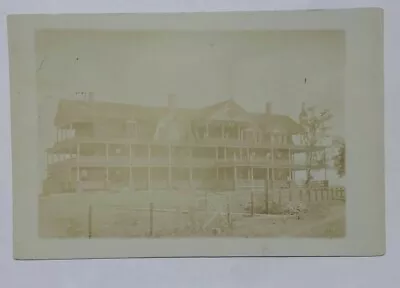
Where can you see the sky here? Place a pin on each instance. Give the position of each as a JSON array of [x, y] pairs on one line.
[[285, 68]]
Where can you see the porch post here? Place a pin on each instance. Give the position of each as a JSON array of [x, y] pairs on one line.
[[47, 162], [290, 165], [148, 167], [107, 163], [234, 177], [325, 164], [130, 165], [169, 166], [78, 177], [191, 166], [70, 131]]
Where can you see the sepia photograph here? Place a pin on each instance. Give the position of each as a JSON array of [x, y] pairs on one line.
[[194, 134], [191, 134]]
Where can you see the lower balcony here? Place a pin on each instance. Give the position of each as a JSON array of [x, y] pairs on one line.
[[120, 161]]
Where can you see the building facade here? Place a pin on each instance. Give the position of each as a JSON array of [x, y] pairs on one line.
[[105, 146]]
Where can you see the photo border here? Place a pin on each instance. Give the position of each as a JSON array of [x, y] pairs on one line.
[[364, 134]]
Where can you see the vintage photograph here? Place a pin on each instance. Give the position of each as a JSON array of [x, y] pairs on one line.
[[167, 134]]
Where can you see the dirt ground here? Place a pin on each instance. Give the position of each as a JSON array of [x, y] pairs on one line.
[[322, 219], [325, 220]]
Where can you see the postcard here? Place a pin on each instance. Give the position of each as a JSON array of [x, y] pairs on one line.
[[198, 134]]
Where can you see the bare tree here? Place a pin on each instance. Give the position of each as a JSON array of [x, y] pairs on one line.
[[315, 132]]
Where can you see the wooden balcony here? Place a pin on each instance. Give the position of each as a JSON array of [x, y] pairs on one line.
[[68, 145], [125, 161]]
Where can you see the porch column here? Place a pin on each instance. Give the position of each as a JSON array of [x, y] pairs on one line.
[[225, 153], [148, 167], [107, 162], [223, 131], [324, 164], [290, 165], [216, 152], [130, 165], [272, 156], [239, 138], [234, 177], [191, 166], [169, 166], [78, 176], [47, 162], [70, 131]]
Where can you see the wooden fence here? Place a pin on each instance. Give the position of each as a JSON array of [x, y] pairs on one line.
[[167, 214]]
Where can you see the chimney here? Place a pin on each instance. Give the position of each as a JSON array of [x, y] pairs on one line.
[[172, 101], [268, 108]]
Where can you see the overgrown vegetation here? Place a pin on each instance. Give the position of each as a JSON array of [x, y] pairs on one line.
[[275, 208], [340, 158], [315, 132]]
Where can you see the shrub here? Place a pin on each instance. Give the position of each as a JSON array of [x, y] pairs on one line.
[[275, 208]]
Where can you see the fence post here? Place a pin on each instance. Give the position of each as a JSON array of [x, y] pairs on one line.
[[90, 222], [192, 217], [252, 203], [280, 196], [151, 219]]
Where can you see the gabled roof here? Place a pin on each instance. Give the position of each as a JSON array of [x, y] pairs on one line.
[[276, 122], [211, 112], [70, 111]]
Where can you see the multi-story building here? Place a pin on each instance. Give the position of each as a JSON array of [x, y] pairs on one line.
[[107, 146]]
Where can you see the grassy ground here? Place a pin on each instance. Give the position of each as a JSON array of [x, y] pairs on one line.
[[322, 219]]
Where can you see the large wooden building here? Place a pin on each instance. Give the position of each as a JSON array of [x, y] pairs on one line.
[[111, 146]]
